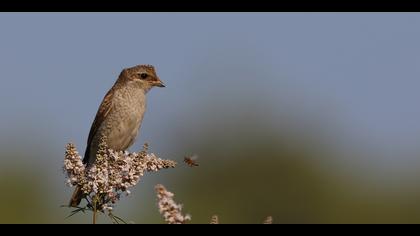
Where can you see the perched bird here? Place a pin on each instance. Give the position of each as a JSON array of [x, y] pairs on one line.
[[120, 115]]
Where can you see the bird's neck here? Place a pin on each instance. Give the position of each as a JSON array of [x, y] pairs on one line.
[[130, 93], [136, 87]]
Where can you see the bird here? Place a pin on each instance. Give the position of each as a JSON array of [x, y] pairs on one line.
[[119, 115]]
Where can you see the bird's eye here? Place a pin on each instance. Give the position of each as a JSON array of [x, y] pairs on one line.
[[143, 75]]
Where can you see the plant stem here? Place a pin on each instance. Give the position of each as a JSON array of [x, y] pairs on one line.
[[94, 216], [94, 210]]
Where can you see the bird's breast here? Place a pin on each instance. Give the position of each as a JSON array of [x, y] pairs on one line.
[[124, 120]]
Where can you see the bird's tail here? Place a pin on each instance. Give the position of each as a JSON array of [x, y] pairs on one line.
[[76, 198]]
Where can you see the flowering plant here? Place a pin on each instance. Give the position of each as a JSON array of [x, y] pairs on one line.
[[111, 176]]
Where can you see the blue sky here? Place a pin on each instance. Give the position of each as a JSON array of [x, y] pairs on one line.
[[359, 72]]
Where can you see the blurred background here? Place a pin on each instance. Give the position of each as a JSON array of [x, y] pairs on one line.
[[307, 117]]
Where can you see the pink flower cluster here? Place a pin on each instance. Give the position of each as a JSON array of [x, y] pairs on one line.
[[168, 208], [112, 174]]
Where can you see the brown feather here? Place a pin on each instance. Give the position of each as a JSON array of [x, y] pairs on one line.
[[103, 111], [76, 198]]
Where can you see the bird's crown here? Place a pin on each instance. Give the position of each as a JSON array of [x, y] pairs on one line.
[[141, 68]]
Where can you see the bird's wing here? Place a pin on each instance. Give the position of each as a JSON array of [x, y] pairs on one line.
[[102, 113]]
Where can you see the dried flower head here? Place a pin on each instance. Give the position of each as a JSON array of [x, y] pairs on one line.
[[214, 220], [268, 220], [73, 164], [112, 174], [168, 208]]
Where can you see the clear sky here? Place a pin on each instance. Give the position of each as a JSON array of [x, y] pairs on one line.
[[363, 68]]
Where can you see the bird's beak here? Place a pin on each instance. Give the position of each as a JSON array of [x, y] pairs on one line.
[[158, 83]]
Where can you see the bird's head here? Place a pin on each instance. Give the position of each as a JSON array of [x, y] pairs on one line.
[[143, 75]]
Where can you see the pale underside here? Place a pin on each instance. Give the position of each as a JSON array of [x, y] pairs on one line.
[[119, 119]]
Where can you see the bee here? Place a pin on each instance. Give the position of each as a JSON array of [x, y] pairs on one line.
[[191, 161]]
